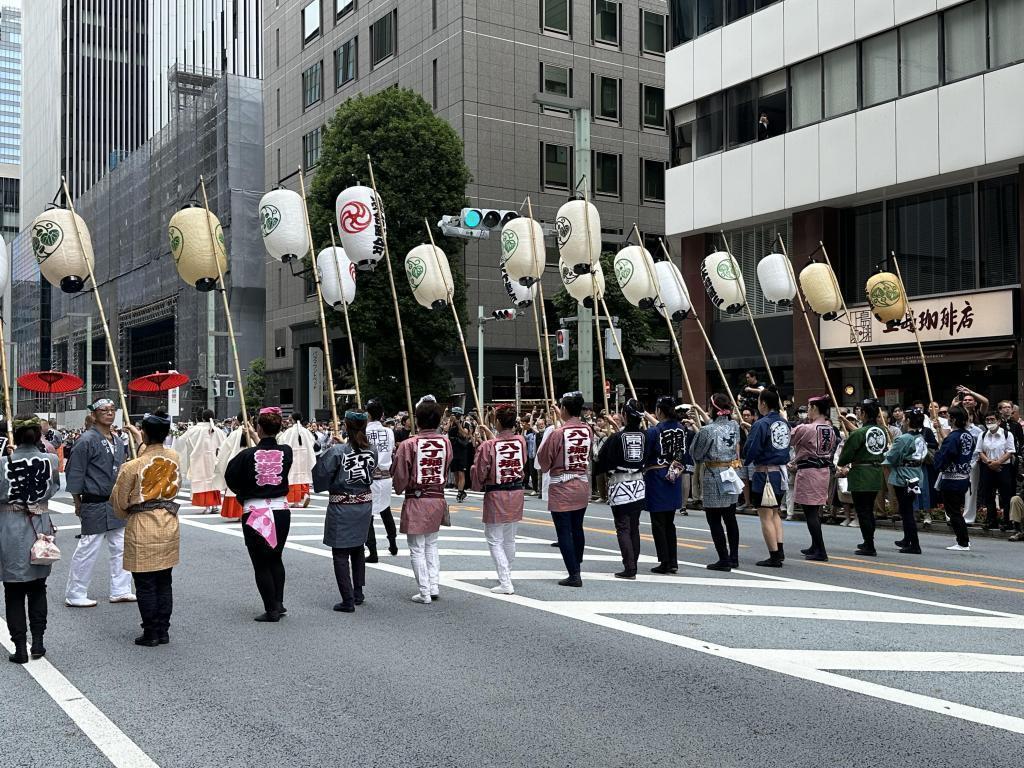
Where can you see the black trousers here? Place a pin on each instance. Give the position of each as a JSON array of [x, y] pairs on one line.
[[571, 540], [389, 525], [663, 528], [812, 514], [726, 515], [153, 590], [953, 504], [531, 476], [905, 499], [16, 595], [993, 484], [350, 572], [267, 564], [627, 531], [864, 504]]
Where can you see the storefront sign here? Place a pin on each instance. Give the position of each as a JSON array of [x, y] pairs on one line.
[[960, 317], [315, 391]]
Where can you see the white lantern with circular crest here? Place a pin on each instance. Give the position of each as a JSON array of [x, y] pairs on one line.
[[195, 255], [63, 259], [283, 225], [723, 282], [522, 250], [360, 217], [334, 264], [582, 287], [575, 248], [430, 276], [634, 270]]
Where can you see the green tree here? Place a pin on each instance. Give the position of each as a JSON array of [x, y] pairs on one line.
[[637, 330], [420, 174], [255, 385]]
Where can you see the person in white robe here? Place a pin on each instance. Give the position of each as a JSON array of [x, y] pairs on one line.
[[303, 445], [197, 449]]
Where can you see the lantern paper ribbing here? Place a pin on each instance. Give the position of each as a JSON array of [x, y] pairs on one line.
[[581, 287], [332, 262], [5, 266], [634, 270], [820, 288], [283, 225], [675, 300], [429, 275], [521, 295], [776, 279], [63, 260], [360, 217], [885, 295], [522, 250], [194, 255], [574, 247], [724, 286]]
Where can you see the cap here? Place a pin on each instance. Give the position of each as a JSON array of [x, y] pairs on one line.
[[457, 411]]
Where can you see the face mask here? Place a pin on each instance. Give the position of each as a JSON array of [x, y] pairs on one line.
[[993, 427]]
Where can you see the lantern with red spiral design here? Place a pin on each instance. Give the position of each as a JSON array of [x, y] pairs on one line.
[[360, 218]]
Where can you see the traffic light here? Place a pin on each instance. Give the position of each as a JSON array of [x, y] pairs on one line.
[[562, 344], [504, 314], [486, 218]]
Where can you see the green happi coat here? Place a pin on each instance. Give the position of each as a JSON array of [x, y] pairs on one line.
[[864, 450]]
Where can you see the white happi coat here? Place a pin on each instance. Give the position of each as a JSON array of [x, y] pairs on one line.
[[197, 450], [302, 443], [231, 447], [383, 439]]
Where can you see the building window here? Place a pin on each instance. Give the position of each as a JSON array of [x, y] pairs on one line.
[[346, 68], [741, 119], [606, 22], [652, 30], [1006, 25], [749, 245], [277, 48], [709, 15], [999, 231], [383, 38], [654, 107], [312, 85], [805, 83], [684, 119], [653, 181], [710, 124], [343, 8], [433, 83], [311, 148], [919, 55], [311, 22], [879, 70], [965, 39], [555, 168], [278, 97], [771, 105], [433, 14], [606, 98], [606, 174], [840, 67], [556, 16], [556, 80]]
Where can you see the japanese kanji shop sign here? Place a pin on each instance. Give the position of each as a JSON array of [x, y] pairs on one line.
[[958, 317]]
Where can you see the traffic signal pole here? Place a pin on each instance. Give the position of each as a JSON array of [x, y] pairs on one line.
[[584, 328], [480, 353]]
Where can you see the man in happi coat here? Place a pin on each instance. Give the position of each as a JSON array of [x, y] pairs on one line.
[[197, 451], [303, 445]]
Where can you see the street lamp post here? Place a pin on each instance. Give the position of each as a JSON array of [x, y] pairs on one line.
[[88, 353]]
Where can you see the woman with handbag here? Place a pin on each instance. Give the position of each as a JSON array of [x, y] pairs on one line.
[[28, 479], [145, 496], [346, 471], [766, 456]]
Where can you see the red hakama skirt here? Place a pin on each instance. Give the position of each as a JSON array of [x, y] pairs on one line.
[[296, 493], [231, 509], [206, 499]]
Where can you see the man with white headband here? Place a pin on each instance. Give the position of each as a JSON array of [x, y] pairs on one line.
[[91, 472]]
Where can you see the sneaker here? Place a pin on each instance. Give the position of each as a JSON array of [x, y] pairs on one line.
[[129, 598], [418, 598], [502, 589], [958, 548], [85, 603], [1019, 536]]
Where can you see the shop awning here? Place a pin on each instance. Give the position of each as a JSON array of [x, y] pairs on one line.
[[910, 357]]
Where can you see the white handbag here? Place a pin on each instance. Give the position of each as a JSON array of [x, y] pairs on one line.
[[44, 549]]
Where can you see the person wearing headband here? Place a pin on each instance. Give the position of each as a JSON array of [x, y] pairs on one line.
[[258, 477], [766, 454], [862, 453], [383, 440], [90, 474], [905, 461], [145, 497], [345, 471], [622, 458], [814, 443], [717, 446], [669, 469], [303, 445], [197, 455]]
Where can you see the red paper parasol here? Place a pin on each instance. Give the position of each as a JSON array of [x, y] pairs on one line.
[[50, 382], [157, 382]]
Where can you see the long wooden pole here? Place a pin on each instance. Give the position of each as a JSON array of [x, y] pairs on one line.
[[593, 285], [394, 299], [618, 349], [810, 332], [853, 331], [328, 358], [746, 306], [458, 326], [913, 325], [540, 353], [222, 288], [348, 328], [546, 352], [8, 411], [103, 318]]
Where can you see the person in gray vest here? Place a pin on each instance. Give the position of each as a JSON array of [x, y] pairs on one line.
[[90, 474]]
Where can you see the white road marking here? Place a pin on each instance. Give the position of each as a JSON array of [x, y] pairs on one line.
[[101, 730], [894, 661], [650, 578]]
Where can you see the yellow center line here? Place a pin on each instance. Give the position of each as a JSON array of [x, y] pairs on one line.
[[922, 577], [936, 570]]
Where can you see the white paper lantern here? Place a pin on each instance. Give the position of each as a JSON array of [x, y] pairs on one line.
[[429, 275], [776, 279], [332, 264], [634, 269], [195, 254], [63, 260], [283, 224], [574, 247], [675, 299], [5, 266], [360, 217], [522, 251], [821, 290], [520, 295], [582, 287], [722, 281]]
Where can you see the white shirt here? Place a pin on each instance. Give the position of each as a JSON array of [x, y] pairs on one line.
[[995, 444], [383, 439]]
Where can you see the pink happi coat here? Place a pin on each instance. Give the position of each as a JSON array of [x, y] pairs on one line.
[[421, 463], [499, 461], [566, 456], [814, 440]]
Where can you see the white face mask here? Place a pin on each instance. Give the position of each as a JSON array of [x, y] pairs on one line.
[[992, 427]]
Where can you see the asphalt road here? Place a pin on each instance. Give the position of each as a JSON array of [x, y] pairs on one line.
[[898, 660]]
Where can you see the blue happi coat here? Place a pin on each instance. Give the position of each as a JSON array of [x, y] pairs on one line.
[[666, 441], [768, 445]]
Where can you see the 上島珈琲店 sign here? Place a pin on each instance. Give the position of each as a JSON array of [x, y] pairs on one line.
[[957, 317]]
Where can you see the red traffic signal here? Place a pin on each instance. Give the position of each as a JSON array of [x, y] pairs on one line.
[[504, 314]]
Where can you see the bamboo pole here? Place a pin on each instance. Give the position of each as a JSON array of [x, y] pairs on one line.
[[810, 333], [546, 352], [540, 352], [618, 348], [394, 299], [103, 319], [348, 328], [328, 358], [8, 411], [746, 306], [458, 327], [853, 331], [913, 325]]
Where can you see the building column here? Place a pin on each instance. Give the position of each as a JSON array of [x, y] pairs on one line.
[[810, 227], [693, 249], [1020, 291]]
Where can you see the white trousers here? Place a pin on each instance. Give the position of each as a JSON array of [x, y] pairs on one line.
[[84, 560], [501, 538], [426, 565]]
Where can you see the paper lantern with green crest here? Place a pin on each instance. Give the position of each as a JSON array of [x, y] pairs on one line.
[[886, 297], [63, 259], [430, 276], [522, 250], [634, 271], [195, 254]]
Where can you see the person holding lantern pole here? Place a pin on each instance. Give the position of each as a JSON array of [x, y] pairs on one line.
[[668, 465], [766, 456], [717, 446], [862, 453], [383, 440], [814, 444]]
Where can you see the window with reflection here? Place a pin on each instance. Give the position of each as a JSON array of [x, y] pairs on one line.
[[710, 124], [879, 69], [919, 55]]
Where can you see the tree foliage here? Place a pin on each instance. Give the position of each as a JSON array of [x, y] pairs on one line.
[[421, 175], [255, 385]]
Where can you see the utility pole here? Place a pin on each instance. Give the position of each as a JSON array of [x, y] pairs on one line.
[[480, 353]]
